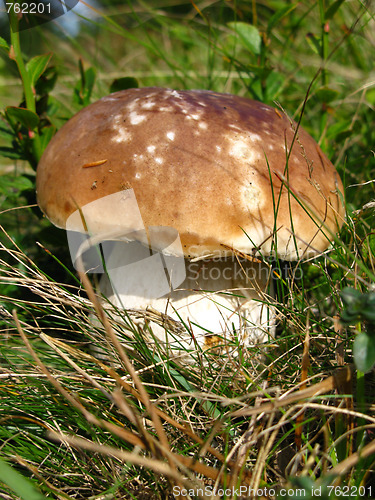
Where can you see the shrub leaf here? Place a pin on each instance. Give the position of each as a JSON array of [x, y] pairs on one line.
[[364, 352], [249, 36]]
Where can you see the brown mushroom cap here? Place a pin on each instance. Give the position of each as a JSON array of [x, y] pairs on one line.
[[210, 165]]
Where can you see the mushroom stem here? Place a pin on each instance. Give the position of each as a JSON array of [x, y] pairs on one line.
[[219, 299]]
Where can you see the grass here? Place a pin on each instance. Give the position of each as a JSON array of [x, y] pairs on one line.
[[294, 414]]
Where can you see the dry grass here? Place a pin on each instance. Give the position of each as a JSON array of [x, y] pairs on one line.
[[218, 425]]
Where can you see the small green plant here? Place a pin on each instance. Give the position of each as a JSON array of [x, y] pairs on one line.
[[29, 122], [360, 307]]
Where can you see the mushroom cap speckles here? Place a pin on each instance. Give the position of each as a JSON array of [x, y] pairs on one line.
[[213, 166]]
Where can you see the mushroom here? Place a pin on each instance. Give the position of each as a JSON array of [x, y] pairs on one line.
[[219, 180]]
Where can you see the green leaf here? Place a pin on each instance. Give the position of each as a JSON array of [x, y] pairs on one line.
[[5, 132], [278, 15], [182, 33], [124, 83], [353, 301], [12, 186], [332, 9], [369, 308], [37, 66], [41, 140], [364, 352], [47, 81], [350, 296], [314, 43], [274, 85], [248, 35], [326, 94], [83, 90], [338, 128], [46, 135], [369, 313], [12, 153], [358, 306], [22, 486], [27, 118], [4, 45], [370, 96]]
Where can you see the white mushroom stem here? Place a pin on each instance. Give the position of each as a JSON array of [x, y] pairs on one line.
[[219, 299]]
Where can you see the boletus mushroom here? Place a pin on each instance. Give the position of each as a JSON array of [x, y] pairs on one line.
[[236, 180]]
